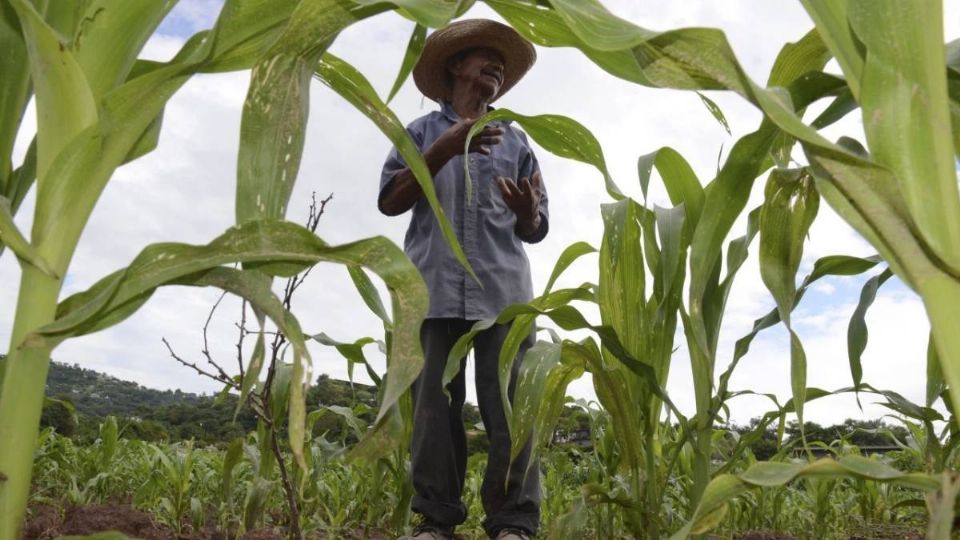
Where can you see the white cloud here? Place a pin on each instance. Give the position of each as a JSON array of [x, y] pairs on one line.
[[184, 192]]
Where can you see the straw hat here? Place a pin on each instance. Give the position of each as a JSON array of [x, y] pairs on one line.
[[430, 73]]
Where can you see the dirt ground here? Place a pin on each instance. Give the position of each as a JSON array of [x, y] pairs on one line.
[[48, 522]]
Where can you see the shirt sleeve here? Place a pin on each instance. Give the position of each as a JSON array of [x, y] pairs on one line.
[[395, 163], [528, 166]]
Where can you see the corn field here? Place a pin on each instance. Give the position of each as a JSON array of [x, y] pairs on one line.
[[663, 278]]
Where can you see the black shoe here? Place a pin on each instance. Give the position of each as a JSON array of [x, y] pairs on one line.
[[430, 531], [511, 533]]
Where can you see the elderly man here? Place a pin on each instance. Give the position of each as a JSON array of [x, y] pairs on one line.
[[465, 67]]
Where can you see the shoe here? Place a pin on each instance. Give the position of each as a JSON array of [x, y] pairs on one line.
[[512, 534], [428, 532]]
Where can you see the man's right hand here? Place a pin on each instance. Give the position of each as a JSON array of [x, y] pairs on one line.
[[405, 191], [451, 142]]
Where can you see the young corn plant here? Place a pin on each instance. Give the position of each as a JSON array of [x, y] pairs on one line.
[[902, 197], [99, 107]]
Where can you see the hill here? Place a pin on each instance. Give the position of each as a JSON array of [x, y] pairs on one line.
[[98, 394]]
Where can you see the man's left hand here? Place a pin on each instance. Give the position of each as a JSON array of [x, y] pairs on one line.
[[524, 199]]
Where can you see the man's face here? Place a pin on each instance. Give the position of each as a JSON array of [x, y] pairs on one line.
[[481, 68]]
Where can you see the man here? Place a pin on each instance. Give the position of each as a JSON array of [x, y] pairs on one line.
[[465, 67]]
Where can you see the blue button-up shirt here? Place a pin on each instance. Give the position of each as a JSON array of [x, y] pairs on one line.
[[484, 226]]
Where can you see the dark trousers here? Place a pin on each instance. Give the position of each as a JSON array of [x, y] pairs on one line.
[[439, 448]]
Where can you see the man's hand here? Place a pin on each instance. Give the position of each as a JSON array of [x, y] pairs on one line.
[[450, 143], [405, 191], [524, 200]]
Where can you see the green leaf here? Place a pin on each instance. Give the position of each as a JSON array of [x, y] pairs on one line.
[[935, 382], [678, 177], [22, 178], [831, 265], [572, 252], [555, 306], [276, 108], [230, 460], [110, 36], [15, 90], [716, 111], [244, 30], [147, 142], [906, 114], [830, 17], [353, 352], [64, 98], [368, 292], [432, 13], [560, 135], [790, 205], [11, 236], [414, 48], [857, 329], [82, 169], [592, 23], [726, 487], [621, 293], [352, 86], [540, 395], [252, 375], [117, 296]]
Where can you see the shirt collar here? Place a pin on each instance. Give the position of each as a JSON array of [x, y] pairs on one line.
[[447, 109]]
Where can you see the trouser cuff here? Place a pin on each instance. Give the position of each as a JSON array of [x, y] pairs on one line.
[[441, 513], [528, 521]]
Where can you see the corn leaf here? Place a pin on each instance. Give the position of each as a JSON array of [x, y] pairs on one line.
[[245, 29], [252, 374], [82, 169], [560, 135], [568, 318], [541, 393], [64, 98], [15, 90], [22, 178], [110, 36], [275, 111], [726, 487], [353, 352], [935, 382], [410, 57], [572, 252], [790, 205], [622, 293], [857, 332], [716, 112], [593, 24], [11, 236], [368, 292], [905, 102], [678, 177], [830, 17], [352, 86], [117, 296], [831, 265], [432, 13]]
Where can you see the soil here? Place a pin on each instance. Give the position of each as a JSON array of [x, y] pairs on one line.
[[47, 522], [761, 535]]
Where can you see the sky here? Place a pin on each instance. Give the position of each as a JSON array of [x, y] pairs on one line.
[[184, 192]]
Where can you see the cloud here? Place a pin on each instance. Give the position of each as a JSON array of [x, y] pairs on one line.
[[184, 192]]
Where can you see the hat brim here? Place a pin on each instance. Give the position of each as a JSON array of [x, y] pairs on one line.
[[430, 73]]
